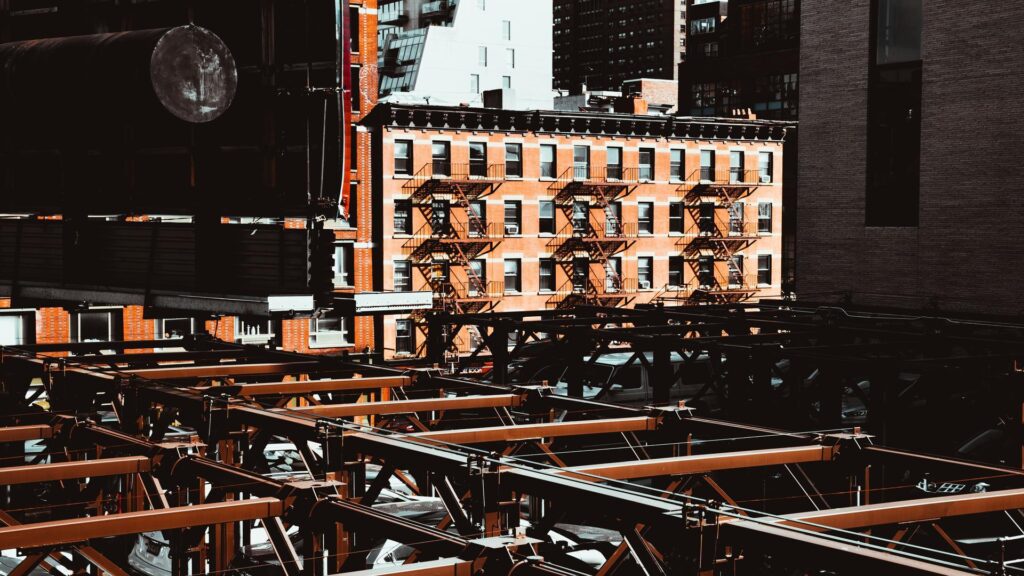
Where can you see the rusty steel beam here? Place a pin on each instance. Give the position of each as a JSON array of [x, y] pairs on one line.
[[443, 567], [224, 370], [296, 388], [406, 406], [65, 532], [72, 470], [905, 511], [23, 433], [701, 463], [542, 430]]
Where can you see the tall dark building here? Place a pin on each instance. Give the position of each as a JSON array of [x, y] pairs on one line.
[[741, 54], [602, 43], [910, 164]]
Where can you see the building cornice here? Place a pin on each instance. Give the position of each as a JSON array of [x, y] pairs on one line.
[[583, 123]]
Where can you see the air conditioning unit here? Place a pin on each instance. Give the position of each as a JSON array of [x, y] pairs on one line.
[[511, 229], [645, 284], [766, 179]]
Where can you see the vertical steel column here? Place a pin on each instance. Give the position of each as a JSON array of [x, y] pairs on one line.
[[663, 375], [498, 344]]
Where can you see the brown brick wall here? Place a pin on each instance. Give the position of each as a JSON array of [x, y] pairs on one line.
[[966, 253]]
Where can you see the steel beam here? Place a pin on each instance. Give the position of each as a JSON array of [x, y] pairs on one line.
[[701, 463], [23, 433], [225, 370], [71, 470], [300, 387], [443, 567], [542, 430], [811, 550], [406, 406], [64, 532], [904, 511]]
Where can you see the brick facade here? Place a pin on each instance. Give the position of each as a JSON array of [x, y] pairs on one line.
[[965, 254]]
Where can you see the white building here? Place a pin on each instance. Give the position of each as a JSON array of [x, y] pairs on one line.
[[449, 52]]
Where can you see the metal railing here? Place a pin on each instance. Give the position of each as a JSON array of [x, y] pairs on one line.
[[725, 176]]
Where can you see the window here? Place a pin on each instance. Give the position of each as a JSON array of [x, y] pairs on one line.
[[736, 270], [14, 330], [614, 163], [353, 28], [580, 274], [513, 217], [357, 101], [736, 165], [547, 275], [403, 276], [172, 328], [403, 217], [676, 271], [646, 164], [736, 217], [405, 337], [706, 271], [343, 265], [677, 217], [707, 165], [96, 326], [764, 268], [703, 26], [894, 116], [514, 160], [253, 330], [764, 217], [706, 218], [580, 217], [478, 159], [645, 272], [512, 266], [676, 165], [353, 155], [441, 155], [547, 161], [474, 83], [477, 218], [403, 157], [477, 276], [510, 57], [328, 332], [506, 30], [481, 4], [547, 217], [581, 162], [645, 217], [506, 82], [766, 167], [481, 58], [613, 219], [613, 275], [440, 216]]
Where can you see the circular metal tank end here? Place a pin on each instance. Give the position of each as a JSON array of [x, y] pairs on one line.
[[193, 74]]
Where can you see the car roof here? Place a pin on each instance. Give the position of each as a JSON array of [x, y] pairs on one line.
[[621, 358]]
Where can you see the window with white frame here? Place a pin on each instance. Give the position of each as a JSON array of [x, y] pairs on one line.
[[645, 217], [15, 329], [547, 217], [547, 275], [510, 57], [645, 272], [512, 268], [676, 165], [403, 157], [253, 330], [343, 265], [474, 83], [766, 167], [676, 217], [764, 268], [403, 276], [513, 217], [481, 55], [329, 332], [548, 166], [764, 217], [506, 29], [96, 325], [506, 82], [405, 337], [173, 328], [647, 164]]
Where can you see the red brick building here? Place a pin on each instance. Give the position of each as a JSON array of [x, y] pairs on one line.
[[504, 210]]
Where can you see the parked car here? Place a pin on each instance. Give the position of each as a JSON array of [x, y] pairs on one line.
[[613, 378]]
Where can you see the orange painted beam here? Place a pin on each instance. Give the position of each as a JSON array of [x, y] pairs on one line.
[[296, 388], [406, 406], [542, 430], [64, 532], [223, 370], [23, 433], [700, 464], [72, 470]]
